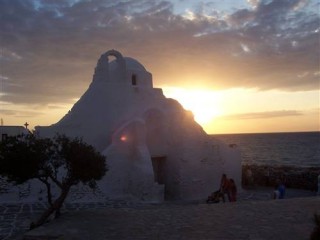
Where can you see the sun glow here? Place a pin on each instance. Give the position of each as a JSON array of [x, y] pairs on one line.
[[203, 103]]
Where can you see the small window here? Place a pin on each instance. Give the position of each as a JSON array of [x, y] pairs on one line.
[[134, 80]]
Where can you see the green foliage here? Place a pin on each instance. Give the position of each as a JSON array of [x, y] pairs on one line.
[[22, 157], [61, 161], [82, 161], [27, 157]]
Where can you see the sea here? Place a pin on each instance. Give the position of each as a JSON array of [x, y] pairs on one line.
[[296, 149]]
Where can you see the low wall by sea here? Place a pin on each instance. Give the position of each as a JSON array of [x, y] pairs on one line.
[[292, 177]]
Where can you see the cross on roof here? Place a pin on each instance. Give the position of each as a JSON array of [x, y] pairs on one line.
[[26, 125]]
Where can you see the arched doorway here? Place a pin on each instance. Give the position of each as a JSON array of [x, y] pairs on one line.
[[156, 143]]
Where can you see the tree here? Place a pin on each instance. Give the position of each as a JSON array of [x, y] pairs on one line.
[[61, 161]]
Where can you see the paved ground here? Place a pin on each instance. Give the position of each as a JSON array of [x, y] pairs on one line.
[[255, 216]]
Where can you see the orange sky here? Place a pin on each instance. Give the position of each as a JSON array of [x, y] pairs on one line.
[[250, 111]]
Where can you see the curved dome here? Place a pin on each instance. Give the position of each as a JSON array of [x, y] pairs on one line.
[[134, 64], [131, 64]]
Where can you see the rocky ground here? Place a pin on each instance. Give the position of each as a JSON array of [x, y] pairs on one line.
[[254, 216], [291, 176]]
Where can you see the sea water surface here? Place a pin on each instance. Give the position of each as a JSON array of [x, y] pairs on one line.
[[298, 149]]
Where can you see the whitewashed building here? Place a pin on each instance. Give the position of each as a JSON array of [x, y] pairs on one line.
[[155, 150], [9, 131]]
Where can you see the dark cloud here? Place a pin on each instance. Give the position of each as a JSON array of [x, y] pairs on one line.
[[263, 115], [49, 48]]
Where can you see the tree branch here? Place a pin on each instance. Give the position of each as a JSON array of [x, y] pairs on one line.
[[59, 184]]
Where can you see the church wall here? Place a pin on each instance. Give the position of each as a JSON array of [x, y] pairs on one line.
[[159, 127], [232, 163], [131, 171], [194, 162], [89, 119], [139, 79], [156, 132]]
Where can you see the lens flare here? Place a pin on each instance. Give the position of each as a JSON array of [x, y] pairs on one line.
[[123, 138]]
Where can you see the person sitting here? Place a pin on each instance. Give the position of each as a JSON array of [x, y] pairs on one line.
[[215, 197], [224, 189]]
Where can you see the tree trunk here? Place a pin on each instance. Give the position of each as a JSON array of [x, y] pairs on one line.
[[55, 207], [49, 194]]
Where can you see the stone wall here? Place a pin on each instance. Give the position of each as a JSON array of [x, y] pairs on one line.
[[293, 177]]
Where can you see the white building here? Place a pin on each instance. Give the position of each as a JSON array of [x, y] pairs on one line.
[[9, 131], [155, 150]]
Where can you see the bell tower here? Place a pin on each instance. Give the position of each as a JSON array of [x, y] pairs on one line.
[[102, 71]]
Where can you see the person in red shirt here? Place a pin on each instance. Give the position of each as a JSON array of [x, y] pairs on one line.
[[227, 186], [232, 190], [224, 187]]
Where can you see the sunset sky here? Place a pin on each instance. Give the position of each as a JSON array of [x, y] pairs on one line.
[[241, 66]]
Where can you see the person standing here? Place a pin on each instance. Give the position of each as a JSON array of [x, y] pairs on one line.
[[224, 187], [279, 191], [232, 191]]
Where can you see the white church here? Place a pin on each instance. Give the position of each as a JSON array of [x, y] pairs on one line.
[[154, 149]]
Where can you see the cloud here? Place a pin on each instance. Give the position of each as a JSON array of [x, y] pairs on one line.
[[49, 48], [263, 115], [20, 113]]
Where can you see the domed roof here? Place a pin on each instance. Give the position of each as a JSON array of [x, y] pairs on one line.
[[131, 64]]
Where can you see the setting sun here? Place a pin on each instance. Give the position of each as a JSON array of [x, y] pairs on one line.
[[204, 104], [242, 110]]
